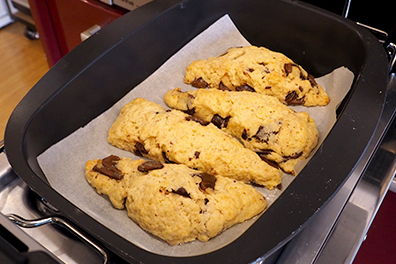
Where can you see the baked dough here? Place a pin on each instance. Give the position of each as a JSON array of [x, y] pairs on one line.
[[147, 129], [261, 70], [260, 122], [176, 203]]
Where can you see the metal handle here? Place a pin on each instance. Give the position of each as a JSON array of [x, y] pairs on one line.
[[380, 34], [57, 220], [382, 38]]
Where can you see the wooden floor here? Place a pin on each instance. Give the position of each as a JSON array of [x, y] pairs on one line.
[[22, 64]]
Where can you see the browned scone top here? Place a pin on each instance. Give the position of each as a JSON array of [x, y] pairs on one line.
[[174, 202], [147, 129], [262, 123], [258, 69]]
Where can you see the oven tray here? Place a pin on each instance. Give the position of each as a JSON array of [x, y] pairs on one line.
[[99, 72]]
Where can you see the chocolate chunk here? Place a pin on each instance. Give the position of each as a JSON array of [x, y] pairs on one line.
[[208, 180], [250, 70], [219, 121], [244, 88], [311, 79], [109, 168], [264, 152], [196, 154], [197, 119], [150, 165], [223, 87], [245, 134], [206, 201], [264, 135], [166, 158], [292, 99], [140, 150], [269, 162], [181, 191], [294, 156], [190, 111], [288, 68], [199, 83]]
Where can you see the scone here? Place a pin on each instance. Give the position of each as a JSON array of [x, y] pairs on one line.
[[262, 123], [260, 70], [111, 176], [147, 129], [179, 204]]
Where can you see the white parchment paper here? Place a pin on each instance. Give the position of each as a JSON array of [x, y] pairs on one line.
[[63, 163]]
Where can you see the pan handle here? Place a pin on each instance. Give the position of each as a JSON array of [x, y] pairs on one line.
[[57, 220]]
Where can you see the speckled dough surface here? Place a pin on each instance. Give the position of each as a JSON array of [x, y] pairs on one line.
[[176, 203], [147, 129], [115, 189], [261, 70], [260, 122]]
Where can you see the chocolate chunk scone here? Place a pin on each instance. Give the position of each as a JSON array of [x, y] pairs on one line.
[[260, 122], [101, 175], [260, 70], [147, 129], [179, 204]]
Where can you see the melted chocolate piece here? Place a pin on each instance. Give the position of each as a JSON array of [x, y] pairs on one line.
[[263, 135], [245, 135], [294, 156], [150, 165], [190, 111], [109, 168], [181, 191], [219, 121], [264, 152], [289, 68], [140, 150], [166, 158], [311, 79], [292, 99], [269, 162], [196, 154], [244, 88], [208, 180], [223, 87], [197, 119], [199, 83]]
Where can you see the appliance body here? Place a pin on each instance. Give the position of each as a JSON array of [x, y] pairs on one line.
[[144, 39]]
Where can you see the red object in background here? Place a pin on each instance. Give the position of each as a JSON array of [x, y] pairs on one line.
[[380, 245], [60, 22]]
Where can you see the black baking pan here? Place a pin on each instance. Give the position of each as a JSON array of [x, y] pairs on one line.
[[97, 73]]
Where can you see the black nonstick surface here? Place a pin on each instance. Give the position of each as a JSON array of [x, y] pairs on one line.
[[96, 74]]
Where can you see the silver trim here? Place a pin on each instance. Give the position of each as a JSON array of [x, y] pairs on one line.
[[57, 220]]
